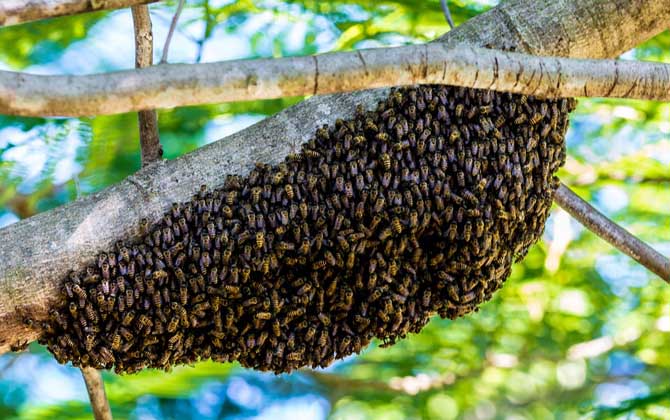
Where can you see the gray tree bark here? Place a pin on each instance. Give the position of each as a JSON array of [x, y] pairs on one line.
[[95, 387], [147, 119], [37, 253], [173, 85]]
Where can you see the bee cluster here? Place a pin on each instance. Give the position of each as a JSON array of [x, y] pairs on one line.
[[416, 208]]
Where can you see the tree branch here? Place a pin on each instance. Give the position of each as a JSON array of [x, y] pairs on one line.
[[190, 84], [566, 28], [96, 393], [619, 237], [13, 12], [38, 252], [150, 143]]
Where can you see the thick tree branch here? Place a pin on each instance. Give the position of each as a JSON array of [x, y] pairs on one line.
[[37, 253], [619, 237], [96, 393], [13, 12], [150, 143], [190, 84], [566, 28]]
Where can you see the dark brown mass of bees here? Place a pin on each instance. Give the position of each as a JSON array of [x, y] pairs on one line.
[[418, 207]]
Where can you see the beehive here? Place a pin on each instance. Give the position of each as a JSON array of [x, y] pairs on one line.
[[415, 208]]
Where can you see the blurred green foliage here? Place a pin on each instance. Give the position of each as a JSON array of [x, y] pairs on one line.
[[579, 331]]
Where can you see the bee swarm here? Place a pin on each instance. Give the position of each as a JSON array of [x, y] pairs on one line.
[[417, 207]]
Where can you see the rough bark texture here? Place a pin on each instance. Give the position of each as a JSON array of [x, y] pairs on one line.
[[13, 12], [150, 143], [191, 84], [566, 28], [96, 393], [38, 252]]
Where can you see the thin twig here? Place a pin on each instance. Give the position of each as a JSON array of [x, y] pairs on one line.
[[173, 85], [96, 393], [447, 14], [150, 144], [606, 229], [168, 39]]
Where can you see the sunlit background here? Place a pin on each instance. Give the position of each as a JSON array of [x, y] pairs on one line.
[[579, 331]]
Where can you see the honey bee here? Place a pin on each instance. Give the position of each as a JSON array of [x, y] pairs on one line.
[[425, 299], [393, 268], [323, 338], [128, 318], [116, 342], [256, 195], [73, 310], [144, 226], [351, 260], [319, 265], [396, 225], [385, 234], [250, 302], [90, 340], [19, 346], [306, 288], [127, 335], [230, 289], [130, 298], [344, 344], [467, 231], [265, 265], [91, 314], [376, 294], [536, 118], [173, 340], [385, 159], [455, 134], [263, 315], [295, 356], [288, 190], [227, 212], [337, 224], [77, 290], [452, 291], [556, 137], [295, 313], [143, 321], [286, 246], [231, 197]]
